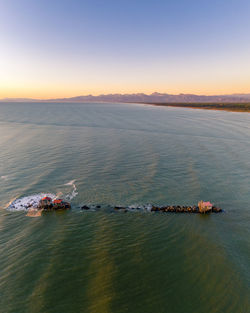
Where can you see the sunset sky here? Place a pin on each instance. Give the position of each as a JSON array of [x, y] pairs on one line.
[[63, 48]]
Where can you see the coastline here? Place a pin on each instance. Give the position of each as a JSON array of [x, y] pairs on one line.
[[231, 107]]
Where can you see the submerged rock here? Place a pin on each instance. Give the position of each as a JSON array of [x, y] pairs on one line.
[[119, 208], [216, 210], [85, 207]]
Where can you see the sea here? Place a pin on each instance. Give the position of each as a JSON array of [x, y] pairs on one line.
[[136, 261]]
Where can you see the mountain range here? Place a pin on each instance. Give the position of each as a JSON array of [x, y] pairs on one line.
[[145, 98]]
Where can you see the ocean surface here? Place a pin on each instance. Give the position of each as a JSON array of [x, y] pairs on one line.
[[102, 261]]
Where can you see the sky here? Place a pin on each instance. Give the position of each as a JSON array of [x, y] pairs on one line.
[[64, 48]]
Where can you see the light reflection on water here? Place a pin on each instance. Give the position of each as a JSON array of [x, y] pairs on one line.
[[135, 262]]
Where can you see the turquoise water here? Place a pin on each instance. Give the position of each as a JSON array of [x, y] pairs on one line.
[[124, 154]]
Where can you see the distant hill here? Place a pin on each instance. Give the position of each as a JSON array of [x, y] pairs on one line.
[[144, 98]]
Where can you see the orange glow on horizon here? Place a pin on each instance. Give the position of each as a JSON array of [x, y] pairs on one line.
[[64, 92]]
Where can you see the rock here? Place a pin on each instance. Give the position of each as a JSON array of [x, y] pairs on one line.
[[155, 209], [171, 209], [47, 204], [59, 204], [216, 210], [119, 208], [204, 208], [85, 207], [185, 209], [164, 208], [48, 207], [195, 209], [182, 210]]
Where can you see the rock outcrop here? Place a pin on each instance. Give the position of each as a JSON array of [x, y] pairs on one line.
[[202, 208], [47, 204]]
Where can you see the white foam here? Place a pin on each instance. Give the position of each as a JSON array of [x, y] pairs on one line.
[[24, 203], [4, 177], [74, 192], [135, 207], [70, 183], [148, 207]]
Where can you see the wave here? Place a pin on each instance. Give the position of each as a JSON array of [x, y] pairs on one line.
[[74, 192], [24, 203], [27, 202]]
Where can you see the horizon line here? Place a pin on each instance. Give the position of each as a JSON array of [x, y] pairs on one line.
[[129, 94]]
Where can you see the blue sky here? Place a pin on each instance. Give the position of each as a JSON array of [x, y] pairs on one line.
[[67, 48]]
